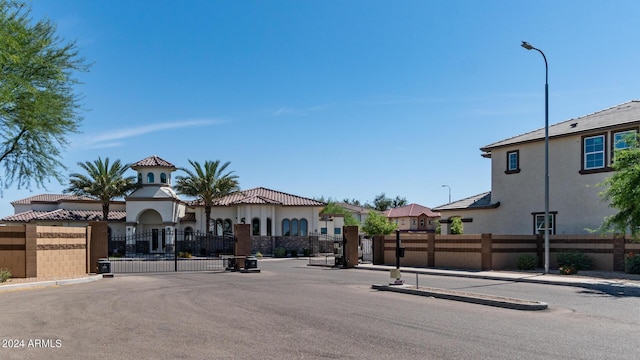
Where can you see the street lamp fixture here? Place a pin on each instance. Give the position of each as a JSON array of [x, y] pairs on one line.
[[449, 192], [528, 46]]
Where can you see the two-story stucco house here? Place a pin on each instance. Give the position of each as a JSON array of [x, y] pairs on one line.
[[580, 157], [413, 217], [155, 209]]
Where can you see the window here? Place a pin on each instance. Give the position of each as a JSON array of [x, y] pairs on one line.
[[421, 222], [227, 227], [303, 227], [323, 231], [269, 226], [594, 152], [294, 227], [150, 178], [163, 178], [286, 227], [139, 178], [255, 226], [218, 230], [539, 223], [188, 234], [337, 231], [620, 141], [513, 162]]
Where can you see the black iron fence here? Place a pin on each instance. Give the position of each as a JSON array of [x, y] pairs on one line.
[[161, 250]]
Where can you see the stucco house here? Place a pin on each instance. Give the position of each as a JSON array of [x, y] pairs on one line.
[[580, 156], [156, 209], [414, 218]]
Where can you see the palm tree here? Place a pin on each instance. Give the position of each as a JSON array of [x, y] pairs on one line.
[[207, 183], [103, 181]]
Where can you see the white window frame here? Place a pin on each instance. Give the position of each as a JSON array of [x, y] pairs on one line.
[[587, 153], [539, 223]]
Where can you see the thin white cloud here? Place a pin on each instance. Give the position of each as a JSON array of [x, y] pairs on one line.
[[300, 112], [109, 139]]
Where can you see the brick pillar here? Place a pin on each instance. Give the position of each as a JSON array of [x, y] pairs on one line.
[[350, 246], [431, 250], [618, 252], [242, 244], [486, 251], [98, 243], [31, 251], [378, 250]]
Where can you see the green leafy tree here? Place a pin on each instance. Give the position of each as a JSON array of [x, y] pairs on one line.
[[103, 181], [38, 105], [383, 203], [207, 183], [334, 208], [456, 226], [623, 190], [378, 224]]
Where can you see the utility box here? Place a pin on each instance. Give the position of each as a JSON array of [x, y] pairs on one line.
[[104, 266]]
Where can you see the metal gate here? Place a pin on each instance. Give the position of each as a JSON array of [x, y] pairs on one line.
[[162, 250]]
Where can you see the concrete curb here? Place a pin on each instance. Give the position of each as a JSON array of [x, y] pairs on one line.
[[481, 299], [40, 284]]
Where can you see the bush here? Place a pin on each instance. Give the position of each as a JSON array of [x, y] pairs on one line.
[[575, 259], [279, 252], [306, 252], [527, 262], [568, 270], [632, 264], [294, 253], [184, 255], [259, 255], [5, 274]]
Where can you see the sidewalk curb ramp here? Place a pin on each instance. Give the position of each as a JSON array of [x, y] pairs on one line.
[[481, 299]]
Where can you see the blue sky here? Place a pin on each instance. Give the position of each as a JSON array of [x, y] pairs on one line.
[[341, 99]]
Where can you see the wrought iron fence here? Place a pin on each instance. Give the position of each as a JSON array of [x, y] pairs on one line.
[[162, 250]]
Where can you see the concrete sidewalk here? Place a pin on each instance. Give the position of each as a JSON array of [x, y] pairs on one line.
[[40, 284], [531, 277], [614, 287]]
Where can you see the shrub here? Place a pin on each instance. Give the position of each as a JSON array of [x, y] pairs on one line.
[[306, 252], [279, 252], [259, 255], [5, 274], [185, 255], [632, 264], [294, 253], [574, 259], [568, 270], [527, 262]]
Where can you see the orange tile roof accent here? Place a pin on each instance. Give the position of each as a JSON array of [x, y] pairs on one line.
[[411, 210]]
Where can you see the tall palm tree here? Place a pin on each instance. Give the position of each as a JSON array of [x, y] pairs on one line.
[[103, 181], [207, 183]]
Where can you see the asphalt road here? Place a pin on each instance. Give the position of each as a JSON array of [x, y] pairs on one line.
[[291, 311]]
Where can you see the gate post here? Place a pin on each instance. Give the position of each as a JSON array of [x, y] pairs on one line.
[[99, 242], [242, 246], [350, 246]]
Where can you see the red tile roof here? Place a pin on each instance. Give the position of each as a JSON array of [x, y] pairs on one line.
[[259, 196], [51, 198], [411, 210], [153, 161], [66, 215]]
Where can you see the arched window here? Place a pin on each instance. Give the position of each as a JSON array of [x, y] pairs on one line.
[[268, 226], [303, 227], [188, 234], [139, 178], [163, 178], [219, 227], [286, 231], [294, 227], [227, 227], [255, 225], [150, 179]]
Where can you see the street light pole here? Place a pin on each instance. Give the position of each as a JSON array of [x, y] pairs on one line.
[[528, 46], [449, 192]]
